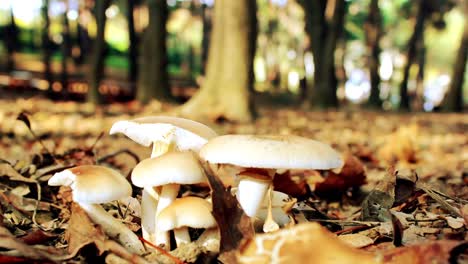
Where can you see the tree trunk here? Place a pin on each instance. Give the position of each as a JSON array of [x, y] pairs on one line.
[[324, 24], [132, 48], [11, 41], [454, 98], [207, 27], [97, 55], [46, 43], [373, 29], [418, 31], [66, 52], [153, 78], [225, 91]]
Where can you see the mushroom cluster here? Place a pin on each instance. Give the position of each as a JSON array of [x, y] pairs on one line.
[[178, 145]]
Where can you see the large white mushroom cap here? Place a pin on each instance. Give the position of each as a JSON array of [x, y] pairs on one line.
[[93, 184], [271, 152], [187, 134], [189, 211], [170, 168]]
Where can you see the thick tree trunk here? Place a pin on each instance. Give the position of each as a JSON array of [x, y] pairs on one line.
[[153, 79], [324, 24], [416, 37], [454, 98], [66, 52], [97, 55], [132, 48], [46, 43], [373, 29], [225, 91]]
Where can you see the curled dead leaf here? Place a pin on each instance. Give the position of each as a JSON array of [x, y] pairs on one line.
[[352, 174]]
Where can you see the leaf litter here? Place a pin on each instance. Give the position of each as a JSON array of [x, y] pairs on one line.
[[400, 198]]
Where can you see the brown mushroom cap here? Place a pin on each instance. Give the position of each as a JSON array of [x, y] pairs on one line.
[[172, 167], [188, 211], [271, 152], [93, 184]]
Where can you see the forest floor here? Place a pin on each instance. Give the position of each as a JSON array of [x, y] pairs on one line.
[[401, 196]]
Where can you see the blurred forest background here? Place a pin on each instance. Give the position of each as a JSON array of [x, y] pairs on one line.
[[379, 54]]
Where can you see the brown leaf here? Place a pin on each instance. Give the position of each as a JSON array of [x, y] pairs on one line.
[[400, 145], [356, 240], [303, 243], [37, 236], [432, 252], [290, 183], [234, 225], [376, 205], [8, 241], [81, 232], [351, 175]]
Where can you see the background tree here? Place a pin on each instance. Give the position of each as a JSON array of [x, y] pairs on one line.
[[11, 41], [133, 43], [324, 24], [96, 69], [225, 90], [46, 43], [415, 39], [427, 11], [373, 30], [65, 50], [153, 78], [453, 100]]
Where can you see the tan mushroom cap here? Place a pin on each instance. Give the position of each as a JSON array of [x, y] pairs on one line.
[[93, 184], [187, 134], [271, 152], [172, 167], [188, 211]]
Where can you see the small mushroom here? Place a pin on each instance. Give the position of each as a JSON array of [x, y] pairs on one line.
[[261, 156], [164, 133], [167, 171], [183, 213], [92, 185]]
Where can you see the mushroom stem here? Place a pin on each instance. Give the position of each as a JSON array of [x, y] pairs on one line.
[[114, 228], [182, 235], [270, 225], [160, 148], [148, 209], [167, 196], [251, 192], [209, 239]]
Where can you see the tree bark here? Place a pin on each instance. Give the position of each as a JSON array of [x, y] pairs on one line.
[[46, 43], [66, 52], [97, 55], [132, 48], [324, 24], [153, 79], [225, 91], [373, 29], [11, 41], [416, 37], [453, 100]]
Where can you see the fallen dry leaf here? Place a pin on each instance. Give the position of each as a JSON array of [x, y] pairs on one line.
[[81, 232], [356, 240], [376, 205], [234, 225], [352, 174], [436, 252]]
